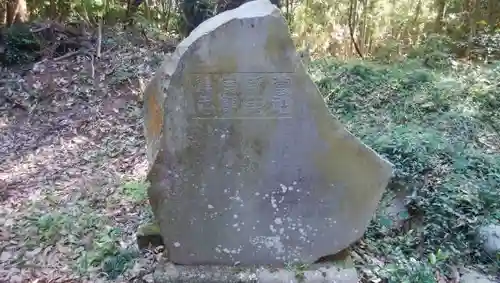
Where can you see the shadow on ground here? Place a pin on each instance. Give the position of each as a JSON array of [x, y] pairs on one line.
[[73, 157]]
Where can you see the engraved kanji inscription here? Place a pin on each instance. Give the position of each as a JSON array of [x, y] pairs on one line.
[[203, 93], [253, 96], [229, 95], [242, 95], [281, 100]]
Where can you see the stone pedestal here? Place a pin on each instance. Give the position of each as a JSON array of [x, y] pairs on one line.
[[170, 273]]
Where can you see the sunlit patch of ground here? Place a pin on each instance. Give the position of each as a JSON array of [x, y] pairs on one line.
[[73, 161]]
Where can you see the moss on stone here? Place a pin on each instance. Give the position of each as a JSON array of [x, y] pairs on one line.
[[148, 234]]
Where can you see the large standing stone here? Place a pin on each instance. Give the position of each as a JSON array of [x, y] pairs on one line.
[[247, 164]]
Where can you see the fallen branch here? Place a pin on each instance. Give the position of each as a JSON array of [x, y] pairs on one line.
[[70, 54], [92, 67], [99, 39], [39, 29]]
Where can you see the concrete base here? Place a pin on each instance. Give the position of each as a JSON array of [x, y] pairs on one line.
[[171, 273]]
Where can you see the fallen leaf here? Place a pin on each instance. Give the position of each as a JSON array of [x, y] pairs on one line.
[[33, 253], [5, 256]]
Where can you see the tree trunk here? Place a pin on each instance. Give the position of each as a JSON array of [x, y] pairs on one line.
[[147, 10], [53, 9], [352, 23], [17, 12], [363, 25], [168, 13], [472, 13], [368, 37], [492, 12], [415, 27], [438, 24], [288, 14], [392, 17], [3, 13]]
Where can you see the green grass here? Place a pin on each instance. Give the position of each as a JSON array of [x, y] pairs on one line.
[[439, 129], [93, 242], [136, 191], [90, 237]]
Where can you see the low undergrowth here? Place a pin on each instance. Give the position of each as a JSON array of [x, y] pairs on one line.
[[439, 129]]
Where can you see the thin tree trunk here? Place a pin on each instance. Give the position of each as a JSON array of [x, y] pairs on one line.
[[3, 13], [147, 9], [416, 29], [288, 15], [169, 12], [351, 27], [492, 12], [99, 37], [471, 11], [53, 9], [363, 25], [393, 13], [17, 12], [438, 24], [369, 27]]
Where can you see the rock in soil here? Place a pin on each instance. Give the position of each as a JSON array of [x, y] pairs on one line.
[[474, 277], [490, 238]]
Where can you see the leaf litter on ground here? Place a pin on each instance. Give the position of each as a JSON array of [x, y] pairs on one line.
[[71, 138]]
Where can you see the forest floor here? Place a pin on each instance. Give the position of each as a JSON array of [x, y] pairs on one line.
[[73, 161], [73, 165]]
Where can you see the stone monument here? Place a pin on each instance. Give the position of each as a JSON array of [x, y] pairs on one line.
[[247, 165]]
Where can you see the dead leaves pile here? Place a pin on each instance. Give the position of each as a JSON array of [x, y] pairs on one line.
[[72, 135]]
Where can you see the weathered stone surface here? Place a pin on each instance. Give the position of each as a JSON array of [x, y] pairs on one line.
[[170, 273], [490, 238], [247, 164], [225, 5], [471, 276]]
